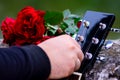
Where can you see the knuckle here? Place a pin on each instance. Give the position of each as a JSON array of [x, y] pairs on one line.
[[71, 66], [72, 47], [81, 55], [66, 36], [72, 57], [69, 70]]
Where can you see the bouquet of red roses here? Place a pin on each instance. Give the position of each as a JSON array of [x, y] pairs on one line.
[[34, 26]]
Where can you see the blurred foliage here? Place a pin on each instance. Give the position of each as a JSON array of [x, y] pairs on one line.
[[10, 8]]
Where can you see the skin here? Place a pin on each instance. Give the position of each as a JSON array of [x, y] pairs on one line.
[[65, 55]]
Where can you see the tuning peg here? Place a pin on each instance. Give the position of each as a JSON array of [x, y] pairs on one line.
[[80, 38], [101, 58], [88, 55], [86, 23], [108, 44], [95, 40], [102, 26], [115, 30]]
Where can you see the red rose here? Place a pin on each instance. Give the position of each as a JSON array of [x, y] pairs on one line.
[[29, 26], [79, 24], [7, 28]]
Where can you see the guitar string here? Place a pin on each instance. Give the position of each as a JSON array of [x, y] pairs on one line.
[[87, 49], [84, 32], [114, 29], [94, 35], [90, 44]]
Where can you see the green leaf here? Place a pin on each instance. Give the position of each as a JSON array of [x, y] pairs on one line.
[[72, 28], [51, 32], [66, 13], [53, 17], [76, 20], [63, 26]]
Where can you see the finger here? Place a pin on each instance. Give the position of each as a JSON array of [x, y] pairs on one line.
[[77, 64], [80, 54], [74, 41]]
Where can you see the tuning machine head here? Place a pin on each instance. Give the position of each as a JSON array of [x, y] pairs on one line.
[[80, 38], [102, 26], [86, 23], [88, 55], [95, 40], [94, 29], [108, 44]]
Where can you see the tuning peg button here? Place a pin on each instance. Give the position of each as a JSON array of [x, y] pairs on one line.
[[95, 40], [86, 24], [80, 38], [102, 26], [88, 55]]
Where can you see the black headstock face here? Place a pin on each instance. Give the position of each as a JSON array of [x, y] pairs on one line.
[[92, 34]]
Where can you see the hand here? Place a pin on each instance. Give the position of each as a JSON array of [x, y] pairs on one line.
[[65, 55]]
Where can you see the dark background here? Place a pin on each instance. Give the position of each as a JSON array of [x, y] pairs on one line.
[[10, 8]]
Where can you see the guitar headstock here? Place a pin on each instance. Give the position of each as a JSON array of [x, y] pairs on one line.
[[91, 36], [93, 31]]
